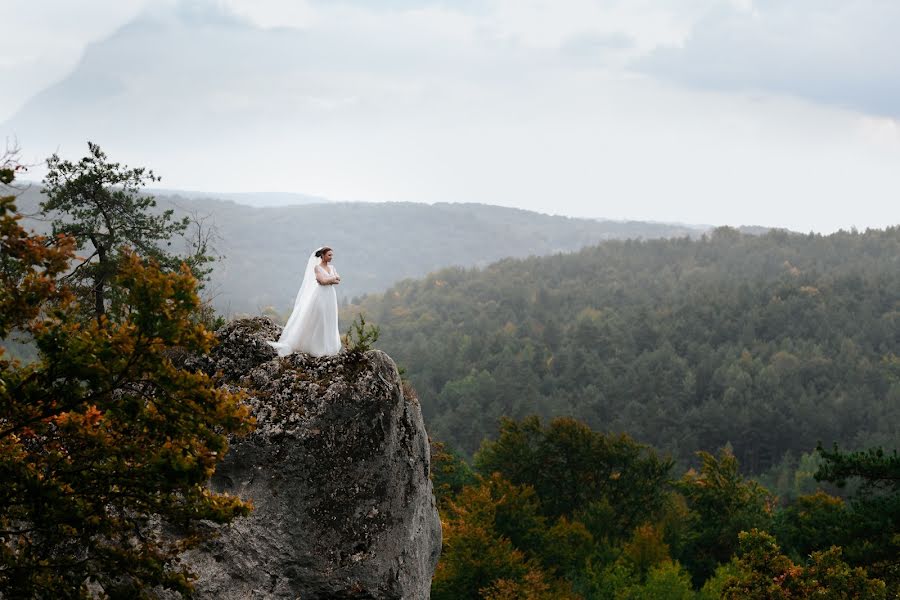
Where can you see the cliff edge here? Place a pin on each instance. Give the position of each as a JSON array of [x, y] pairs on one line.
[[337, 469]]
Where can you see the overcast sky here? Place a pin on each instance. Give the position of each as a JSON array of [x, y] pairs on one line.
[[771, 112]]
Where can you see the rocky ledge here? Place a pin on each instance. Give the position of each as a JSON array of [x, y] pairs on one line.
[[337, 469]]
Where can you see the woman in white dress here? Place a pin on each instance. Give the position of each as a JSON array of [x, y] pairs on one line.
[[313, 324]]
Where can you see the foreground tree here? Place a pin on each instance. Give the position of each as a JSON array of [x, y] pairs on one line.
[[104, 442], [610, 482], [99, 203], [491, 531], [449, 472], [722, 503], [814, 522], [762, 572], [872, 522]]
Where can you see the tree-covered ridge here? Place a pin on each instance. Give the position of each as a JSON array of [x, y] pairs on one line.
[[769, 343], [264, 250]]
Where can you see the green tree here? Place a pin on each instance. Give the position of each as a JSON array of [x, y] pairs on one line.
[[104, 442], [645, 550], [714, 587], [566, 547], [100, 204], [872, 523], [762, 572], [573, 468], [449, 472], [809, 523], [666, 580], [722, 503]]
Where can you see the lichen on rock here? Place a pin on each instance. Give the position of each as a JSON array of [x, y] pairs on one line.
[[337, 469]]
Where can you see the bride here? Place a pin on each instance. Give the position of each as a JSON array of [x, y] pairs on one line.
[[313, 324]]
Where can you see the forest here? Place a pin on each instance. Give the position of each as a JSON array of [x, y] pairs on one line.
[[768, 344], [557, 511], [682, 418]]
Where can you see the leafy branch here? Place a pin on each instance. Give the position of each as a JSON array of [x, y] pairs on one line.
[[361, 336]]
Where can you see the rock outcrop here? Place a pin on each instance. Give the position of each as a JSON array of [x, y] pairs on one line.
[[337, 469]]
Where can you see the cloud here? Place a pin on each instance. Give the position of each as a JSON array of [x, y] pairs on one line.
[[843, 53], [518, 102], [402, 5], [596, 47]]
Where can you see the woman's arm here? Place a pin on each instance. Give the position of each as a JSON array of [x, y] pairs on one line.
[[324, 278]]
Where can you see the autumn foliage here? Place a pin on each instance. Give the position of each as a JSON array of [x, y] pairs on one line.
[[762, 571], [105, 442], [557, 510]]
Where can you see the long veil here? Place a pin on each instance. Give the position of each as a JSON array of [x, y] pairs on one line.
[[302, 305]]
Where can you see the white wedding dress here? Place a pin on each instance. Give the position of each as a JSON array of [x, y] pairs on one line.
[[313, 324]]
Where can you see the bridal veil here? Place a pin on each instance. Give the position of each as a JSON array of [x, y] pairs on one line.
[[313, 324]]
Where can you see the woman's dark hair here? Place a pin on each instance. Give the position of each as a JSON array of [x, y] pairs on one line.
[[321, 251]]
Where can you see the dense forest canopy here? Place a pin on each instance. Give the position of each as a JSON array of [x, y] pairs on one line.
[[768, 343], [551, 510]]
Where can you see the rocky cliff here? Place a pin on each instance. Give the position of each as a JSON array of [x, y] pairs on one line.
[[338, 473]]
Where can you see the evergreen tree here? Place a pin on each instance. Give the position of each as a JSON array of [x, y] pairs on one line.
[[722, 503], [871, 526], [100, 205], [610, 482], [105, 444]]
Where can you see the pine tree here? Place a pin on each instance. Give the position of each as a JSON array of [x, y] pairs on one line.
[[100, 205], [104, 441]]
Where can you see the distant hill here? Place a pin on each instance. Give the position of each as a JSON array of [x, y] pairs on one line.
[[376, 244], [257, 199]]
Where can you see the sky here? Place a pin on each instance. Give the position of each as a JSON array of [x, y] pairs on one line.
[[742, 112]]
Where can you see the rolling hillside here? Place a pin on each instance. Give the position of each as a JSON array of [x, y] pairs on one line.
[[265, 249], [768, 343]]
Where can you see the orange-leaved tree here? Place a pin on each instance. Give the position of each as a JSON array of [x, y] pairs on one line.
[[105, 443], [491, 529]]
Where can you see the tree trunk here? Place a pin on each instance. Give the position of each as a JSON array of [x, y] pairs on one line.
[[100, 281], [99, 304]]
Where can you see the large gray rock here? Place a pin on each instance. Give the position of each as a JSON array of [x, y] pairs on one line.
[[242, 347], [337, 469]]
